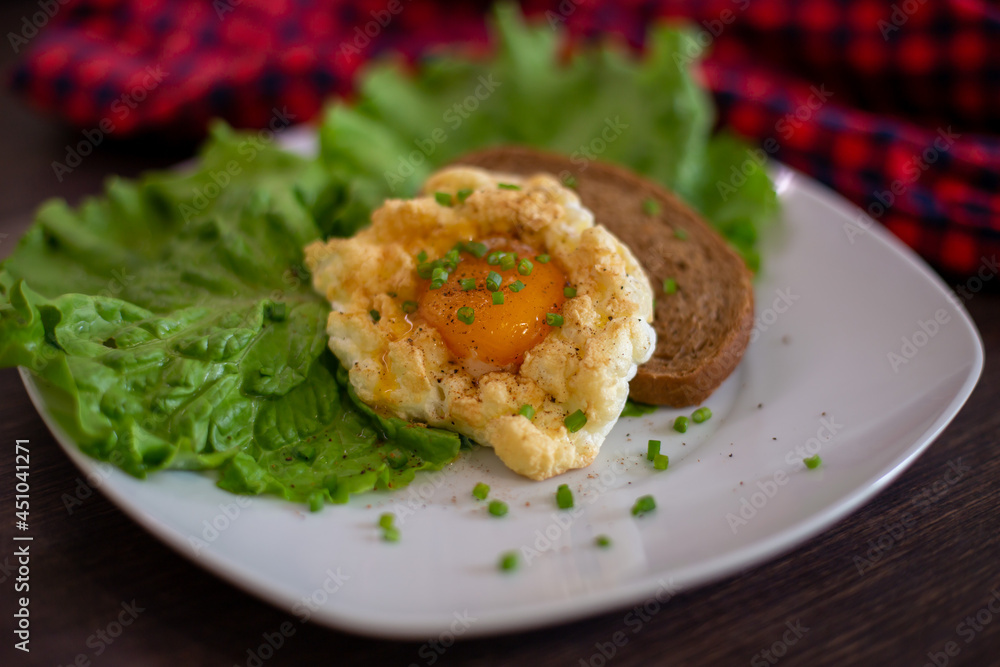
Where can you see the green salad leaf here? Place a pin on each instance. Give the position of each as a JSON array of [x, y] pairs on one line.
[[603, 103], [170, 322]]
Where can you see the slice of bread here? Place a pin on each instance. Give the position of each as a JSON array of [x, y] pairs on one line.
[[703, 327]]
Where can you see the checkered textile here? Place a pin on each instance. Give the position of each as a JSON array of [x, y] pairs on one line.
[[894, 105]]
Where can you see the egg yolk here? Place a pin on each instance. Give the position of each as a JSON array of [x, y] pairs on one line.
[[499, 334]]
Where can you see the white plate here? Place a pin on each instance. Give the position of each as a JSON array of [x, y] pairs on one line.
[[830, 312]]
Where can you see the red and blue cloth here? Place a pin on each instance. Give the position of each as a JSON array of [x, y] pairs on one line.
[[896, 106]]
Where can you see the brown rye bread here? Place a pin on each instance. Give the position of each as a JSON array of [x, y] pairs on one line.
[[704, 327]]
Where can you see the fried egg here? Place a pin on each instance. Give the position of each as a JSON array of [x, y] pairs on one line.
[[493, 306]]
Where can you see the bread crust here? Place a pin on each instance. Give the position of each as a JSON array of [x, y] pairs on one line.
[[704, 327]]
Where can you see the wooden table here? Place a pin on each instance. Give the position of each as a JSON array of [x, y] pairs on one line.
[[809, 607]]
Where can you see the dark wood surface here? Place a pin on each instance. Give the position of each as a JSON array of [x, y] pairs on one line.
[[87, 563]]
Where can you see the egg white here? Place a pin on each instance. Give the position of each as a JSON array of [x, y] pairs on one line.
[[402, 366]]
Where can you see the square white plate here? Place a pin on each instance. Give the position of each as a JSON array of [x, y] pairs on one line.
[[832, 308]]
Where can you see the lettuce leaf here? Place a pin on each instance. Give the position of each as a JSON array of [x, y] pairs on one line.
[[170, 322], [602, 103]]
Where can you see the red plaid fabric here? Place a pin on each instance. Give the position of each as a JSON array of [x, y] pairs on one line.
[[896, 106]]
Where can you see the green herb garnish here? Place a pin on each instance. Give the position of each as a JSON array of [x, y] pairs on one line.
[[575, 421], [564, 497], [681, 424], [643, 505], [652, 449], [475, 248], [509, 561], [498, 508]]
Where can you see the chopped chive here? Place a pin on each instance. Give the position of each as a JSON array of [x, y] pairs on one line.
[[701, 415], [680, 234], [466, 314], [554, 319], [569, 181], [480, 491], [525, 266], [424, 270], [409, 306], [475, 248], [813, 461], [603, 541], [463, 194], [507, 261], [650, 206], [508, 186], [440, 273], [437, 284], [681, 424], [493, 281], [467, 283], [643, 505], [569, 292], [391, 534], [422, 256], [564, 497], [387, 520], [661, 461], [509, 561], [544, 259], [527, 411], [575, 421], [494, 257], [497, 298], [516, 286], [442, 198], [376, 316], [498, 508], [669, 285], [652, 449]]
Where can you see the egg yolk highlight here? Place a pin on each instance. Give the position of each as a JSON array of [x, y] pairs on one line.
[[499, 334]]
